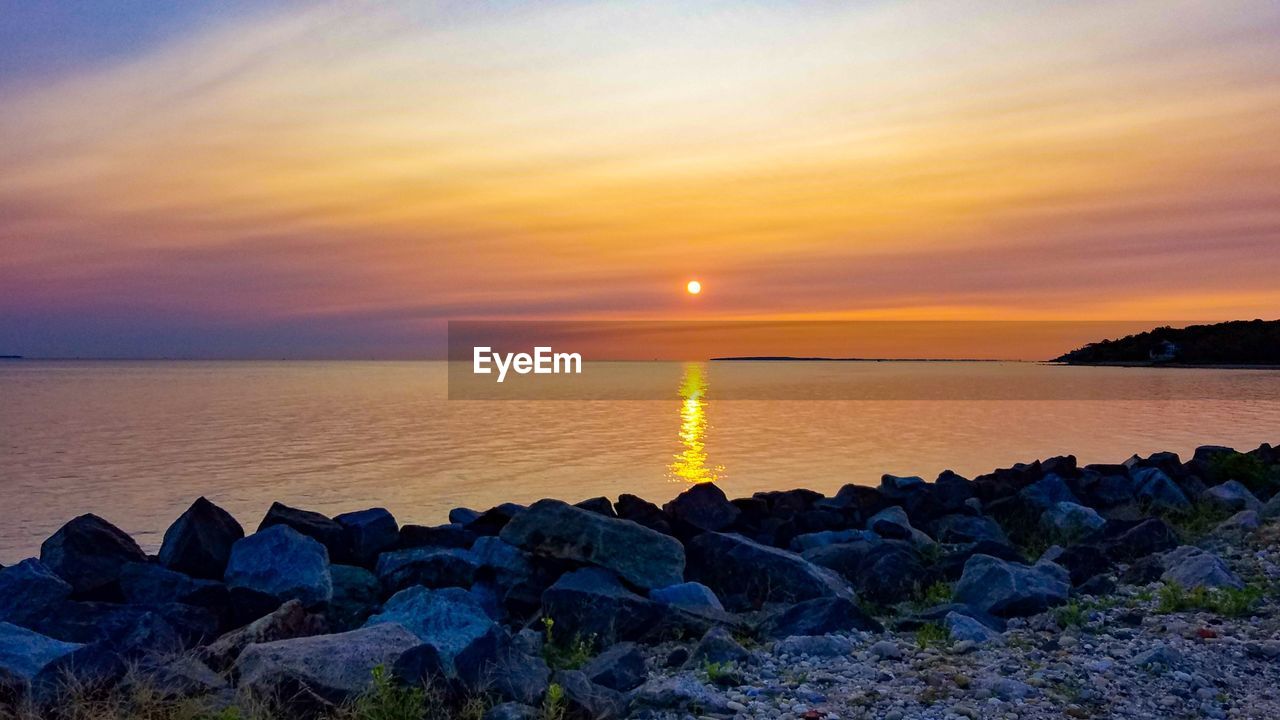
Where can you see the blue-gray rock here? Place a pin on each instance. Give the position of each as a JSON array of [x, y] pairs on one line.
[[704, 507], [29, 590], [1081, 561], [892, 523], [505, 563], [1009, 689], [1271, 510], [1158, 657], [199, 542], [690, 595], [512, 711], [450, 620], [967, 529], [824, 646], [88, 553], [884, 571], [153, 584], [463, 515], [452, 535], [281, 563], [356, 592], [1231, 496], [507, 673], [335, 667], [1047, 491], [585, 699], [290, 620], [824, 538], [24, 653], [939, 613], [1191, 567], [963, 627], [717, 646], [1007, 589], [1158, 491], [426, 566], [643, 557], [599, 505], [1241, 523], [620, 668], [681, 693], [314, 525], [368, 533], [745, 574], [1067, 521], [820, 616], [593, 602]]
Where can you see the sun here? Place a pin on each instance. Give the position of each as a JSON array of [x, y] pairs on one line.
[[694, 287]]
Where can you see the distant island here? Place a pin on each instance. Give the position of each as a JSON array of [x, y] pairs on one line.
[[1238, 343], [791, 358], [10, 357]]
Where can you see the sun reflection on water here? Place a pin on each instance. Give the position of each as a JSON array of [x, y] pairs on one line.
[[690, 464]]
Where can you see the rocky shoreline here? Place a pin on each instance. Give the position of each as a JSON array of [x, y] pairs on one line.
[[1147, 588]]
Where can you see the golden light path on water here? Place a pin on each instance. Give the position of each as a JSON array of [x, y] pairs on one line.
[[690, 465]]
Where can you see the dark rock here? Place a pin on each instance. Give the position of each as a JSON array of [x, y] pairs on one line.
[[717, 646], [681, 693], [440, 536], [967, 529], [746, 574], [199, 542], [643, 512], [702, 507], [881, 570], [1158, 492], [334, 667], [177, 677], [1146, 538], [493, 520], [1068, 521], [952, 492], [892, 523], [88, 553], [620, 668], [312, 524], [151, 584], [592, 602], [818, 617], [812, 541], [281, 563], [512, 711], [508, 673], [1081, 561], [290, 620], [24, 653], [1192, 567], [599, 505], [1048, 491], [356, 592], [1231, 496], [1143, 571], [691, 595], [950, 566], [677, 657], [1107, 491], [367, 533], [585, 699], [450, 620], [28, 590], [426, 566], [1098, 586], [788, 503], [1008, 589], [641, 556], [463, 516], [939, 613]]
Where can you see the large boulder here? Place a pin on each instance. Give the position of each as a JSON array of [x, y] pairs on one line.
[[199, 542], [717, 646], [620, 668], [1146, 538], [368, 533], [818, 617], [884, 571], [642, 557], [426, 566], [1231, 496], [643, 512], [967, 529], [691, 595], [1067, 521], [1157, 491], [962, 627], [452, 535], [746, 575], [1190, 567], [283, 564], [88, 553], [324, 530], [335, 668], [1007, 589], [1081, 561], [24, 653], [290, 620], [592, 602], [585, 699], [1048, 491], [892, 523], [356, 593], [450, 620], [702, 507], [29, 590]]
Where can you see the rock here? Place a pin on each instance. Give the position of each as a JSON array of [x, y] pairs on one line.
[[745, 574], [1191, 567], [1146, 538], [1158, 657], [88, 553], [963, 627], [893, 523], [1009, 589], [28, 590], [818, 646], [825, 538], [592, 602], [355, 597], [495, 519], [820, 616], [717, 646], [152, 584], [680, 693], [1231, 496], [367, 533], [643, 512], [585, 699], [334, 667], [939, 613], [703, 507], [24, 653], [967, 529], [426, 566], [884, 571], [1047, 492], [281, 563], [512, 711], [463, 516], [1068, 521], [177, 677], [886, 650], [1238, 525], [312, 524], [199, 542], [1158, 491], [1081, 561], [1271, 510], [1105, 491], [290, 620], [598, 505], [453, 535], [692, 595], [641, 556], [620, 668], [1009, 689], [450, 620]]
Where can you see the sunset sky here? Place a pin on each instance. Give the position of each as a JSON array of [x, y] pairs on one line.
[[260, 179]]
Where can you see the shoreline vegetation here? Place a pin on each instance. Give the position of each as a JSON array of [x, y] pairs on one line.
[[1146, 588], [1238, 344]]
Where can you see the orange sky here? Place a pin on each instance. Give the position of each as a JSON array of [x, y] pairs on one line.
[[338, 182]]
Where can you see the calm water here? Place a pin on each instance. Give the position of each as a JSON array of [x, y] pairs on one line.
[[136, 442]]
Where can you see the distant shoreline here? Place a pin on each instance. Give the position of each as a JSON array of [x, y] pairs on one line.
[[1176, 366], [790, 358]]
